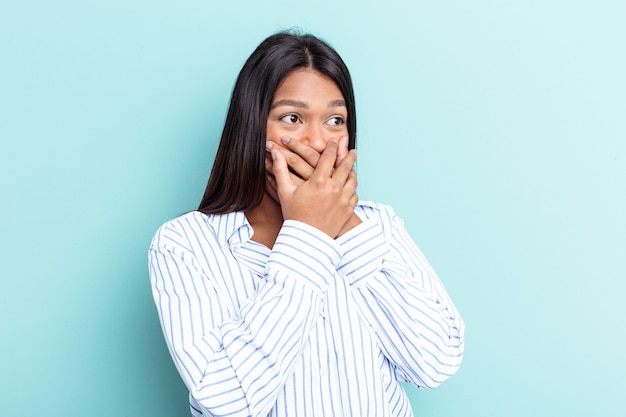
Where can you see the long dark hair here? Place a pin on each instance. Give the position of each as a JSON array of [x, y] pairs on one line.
[[237, 180]]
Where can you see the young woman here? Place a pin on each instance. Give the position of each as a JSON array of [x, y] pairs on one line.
[[283, 294]]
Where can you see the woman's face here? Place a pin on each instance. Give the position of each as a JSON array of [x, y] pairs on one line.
[[307, 106]]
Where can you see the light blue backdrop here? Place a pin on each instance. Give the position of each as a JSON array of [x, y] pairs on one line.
[[497, 129]]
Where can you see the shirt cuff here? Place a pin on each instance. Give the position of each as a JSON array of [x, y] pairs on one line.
[[305, 253], [364, 248]]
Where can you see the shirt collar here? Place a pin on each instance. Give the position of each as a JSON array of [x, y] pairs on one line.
[[232, 229]]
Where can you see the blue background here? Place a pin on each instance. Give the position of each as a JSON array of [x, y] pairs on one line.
[[496, 129]]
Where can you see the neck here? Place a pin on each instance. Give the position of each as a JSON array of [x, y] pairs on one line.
[[266, 220]]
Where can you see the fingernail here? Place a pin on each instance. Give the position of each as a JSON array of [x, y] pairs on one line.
[[333, 140], [273, 155], [268, 145], [285, 139]]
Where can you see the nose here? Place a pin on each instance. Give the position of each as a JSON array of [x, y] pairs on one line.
[[316, 137]]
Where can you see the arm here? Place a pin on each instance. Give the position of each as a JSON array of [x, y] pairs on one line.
[[234, 364], [395, 288], [400, 297]]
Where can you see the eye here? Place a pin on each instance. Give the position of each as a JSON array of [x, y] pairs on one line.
[[290, 118], [336, 121]]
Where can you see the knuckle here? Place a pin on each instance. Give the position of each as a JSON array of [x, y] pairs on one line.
[[317, 181], [311, 158], [291, 160]]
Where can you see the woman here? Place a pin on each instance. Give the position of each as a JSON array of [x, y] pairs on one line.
[[283, 295]]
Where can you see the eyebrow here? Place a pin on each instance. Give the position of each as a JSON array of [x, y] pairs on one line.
[[303, 105]]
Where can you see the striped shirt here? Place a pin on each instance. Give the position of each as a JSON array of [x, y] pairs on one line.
[[313, 327]]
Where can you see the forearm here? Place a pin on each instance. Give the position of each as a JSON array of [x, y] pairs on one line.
[[404, 302], [419, 334], [234, 363], [255, 354]]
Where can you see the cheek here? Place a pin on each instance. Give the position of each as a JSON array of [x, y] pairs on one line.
[[274, 137], [273, 132]]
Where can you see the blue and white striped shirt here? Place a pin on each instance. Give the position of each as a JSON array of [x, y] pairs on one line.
[[312, 327]]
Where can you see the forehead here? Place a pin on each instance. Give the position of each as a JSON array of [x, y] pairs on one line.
[[307, 85]]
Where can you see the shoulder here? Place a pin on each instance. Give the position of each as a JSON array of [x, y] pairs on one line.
[[177, 232], [383, 213]]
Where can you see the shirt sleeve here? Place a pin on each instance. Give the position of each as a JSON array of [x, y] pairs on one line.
[[401, 298], [235, 366]]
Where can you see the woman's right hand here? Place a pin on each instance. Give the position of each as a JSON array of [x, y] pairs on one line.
[[323, 195], [301, 159]]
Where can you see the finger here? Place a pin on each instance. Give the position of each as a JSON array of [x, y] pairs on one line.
[[350, 186], [342, 149], [268, 162], [307, 153], [281, 173], [326, 163], [352, 180], [298, 165], [295, 177], [346, 167], [354, 200]]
